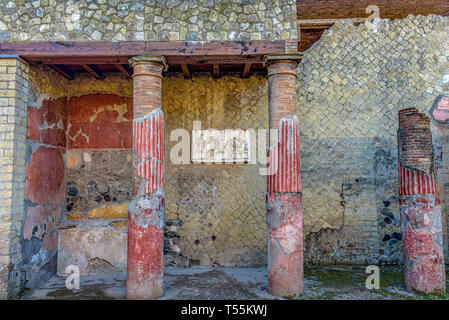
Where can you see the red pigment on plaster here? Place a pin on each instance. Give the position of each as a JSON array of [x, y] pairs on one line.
[[45, 175], [145, 239], [145, 260], [113, 135], [40, 222], [289, 233], [145, 250], [284, 159], [440, 115], [84, 107], [413, 182], [36, 216], [285, 265], [48, 124], [419, 204], [429, 273], [285, 275], [444, 103], [149, 144], [94, 128]]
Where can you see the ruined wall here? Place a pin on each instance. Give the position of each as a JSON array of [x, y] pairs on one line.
[[49, 186], [29, 227], [44, 187], [215, 214], [44, 157], [52, 20], [350, 88], [99, 184]]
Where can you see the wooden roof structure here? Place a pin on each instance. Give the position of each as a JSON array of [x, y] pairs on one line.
[[315, 16], [97, 58], [216, 57]]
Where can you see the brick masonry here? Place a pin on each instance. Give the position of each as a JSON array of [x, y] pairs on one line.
[[284, 199], [420, 205], [13, 121], [146, 210], [350, 87], [199, 228]]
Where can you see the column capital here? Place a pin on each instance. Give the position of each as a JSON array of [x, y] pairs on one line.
[[284, 63], [293, 58], [149, 59]]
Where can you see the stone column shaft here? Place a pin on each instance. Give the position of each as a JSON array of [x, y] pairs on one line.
[[146, 210], [420, 207], [284, 200]]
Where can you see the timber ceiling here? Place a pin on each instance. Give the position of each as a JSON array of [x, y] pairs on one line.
[[315, 16], [187, 57], [215, 57]]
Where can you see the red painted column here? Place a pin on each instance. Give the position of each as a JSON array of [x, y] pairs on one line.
[[284, 202], [420, 207], [146, 210]]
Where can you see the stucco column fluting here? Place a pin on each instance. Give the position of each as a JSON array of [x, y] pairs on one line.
[[146, 210], [284, 202], [420, 207]]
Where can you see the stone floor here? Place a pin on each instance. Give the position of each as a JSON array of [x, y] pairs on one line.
[[330, 283]]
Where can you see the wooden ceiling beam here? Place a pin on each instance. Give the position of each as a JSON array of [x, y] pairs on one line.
[[343, 9], [246, 69], [134, 48], [324, 23], [315, 16], [114, 60], [63, 71], [93, 70], [185, 70], [124, 70], [216, 70]]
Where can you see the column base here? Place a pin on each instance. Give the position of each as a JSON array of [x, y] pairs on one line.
[[146, 289]]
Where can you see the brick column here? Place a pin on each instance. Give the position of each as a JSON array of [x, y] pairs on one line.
[[284, 202], [13, 120], [420, 207], [146, 210]]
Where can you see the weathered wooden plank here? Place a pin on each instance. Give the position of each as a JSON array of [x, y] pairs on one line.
[[97, 74], [314, 16], [124, 70], [324, 23], [342, 9], [79, 60], [185, 70], [132, 48], [216, 70], [223, 59], [62, 71], [246, 69], [309, 37]]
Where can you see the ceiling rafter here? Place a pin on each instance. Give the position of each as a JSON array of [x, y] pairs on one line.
[[93, 70]]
